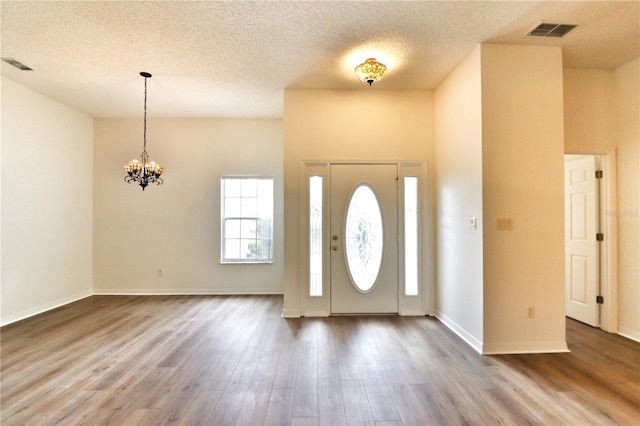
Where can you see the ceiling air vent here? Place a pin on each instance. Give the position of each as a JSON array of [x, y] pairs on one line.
[[17, 64], [551, 30]]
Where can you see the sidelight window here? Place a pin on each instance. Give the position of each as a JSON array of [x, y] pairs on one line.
[[411, 235], [315, 235]]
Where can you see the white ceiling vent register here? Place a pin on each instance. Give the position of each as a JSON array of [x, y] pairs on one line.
[[551, 30]]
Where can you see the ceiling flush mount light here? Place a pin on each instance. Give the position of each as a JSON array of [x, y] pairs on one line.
[[370, 71], [143, 172]]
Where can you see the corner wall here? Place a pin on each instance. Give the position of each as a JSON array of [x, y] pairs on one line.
[[626, 95], [523, 180], [499, 154], [458, 176], [176, 226], [47, 184]]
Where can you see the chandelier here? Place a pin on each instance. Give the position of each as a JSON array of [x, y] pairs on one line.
[[144, 172], [370, 71]]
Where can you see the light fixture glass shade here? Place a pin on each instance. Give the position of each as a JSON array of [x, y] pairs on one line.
[[370, 71]]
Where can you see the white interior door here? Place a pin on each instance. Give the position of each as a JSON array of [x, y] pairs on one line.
[[581, 247], [364, 229]]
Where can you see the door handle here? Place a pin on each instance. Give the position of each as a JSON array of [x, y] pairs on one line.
[[334, 248]]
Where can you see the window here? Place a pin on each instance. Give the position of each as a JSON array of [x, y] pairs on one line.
[[315, 235], [411, 235], [247, 220], [364, 238]]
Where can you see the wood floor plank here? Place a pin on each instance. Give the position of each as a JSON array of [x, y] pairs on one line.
[[190, 360], [330, 398], [279, 407], [228, 408], [381, 403], [305, 401], [304, 421], [356, 404], [286, 372]]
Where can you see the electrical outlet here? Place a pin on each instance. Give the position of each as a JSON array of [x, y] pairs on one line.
[[160, 272], [531, 312]]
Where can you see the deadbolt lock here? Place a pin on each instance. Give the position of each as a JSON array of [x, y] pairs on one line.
[[334, 238]]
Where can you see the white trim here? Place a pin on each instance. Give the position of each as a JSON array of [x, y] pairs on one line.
[[609, 252], [306, 301], [317, 314], [629, 333], [188, 292], [290, 313], [609, 249], [524, 348], [411, 305], [412, 313], [461, 332], [43, 308], [223, 238], [407, 305]]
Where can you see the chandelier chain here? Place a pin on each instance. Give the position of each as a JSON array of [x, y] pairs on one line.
[[144, 148]]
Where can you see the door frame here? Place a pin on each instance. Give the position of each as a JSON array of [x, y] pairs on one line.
[[608, 223], [320, 305]]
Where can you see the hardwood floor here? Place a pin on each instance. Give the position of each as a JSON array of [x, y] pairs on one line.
[[204, 360]]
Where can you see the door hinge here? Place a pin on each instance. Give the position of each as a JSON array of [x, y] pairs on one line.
[[599, 174], [599, 299], [599, 236]]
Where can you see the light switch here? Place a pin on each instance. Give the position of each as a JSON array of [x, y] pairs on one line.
[[504, 224], [473, 223]]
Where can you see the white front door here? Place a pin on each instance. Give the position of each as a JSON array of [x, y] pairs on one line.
[[581, 249], [364, 233]]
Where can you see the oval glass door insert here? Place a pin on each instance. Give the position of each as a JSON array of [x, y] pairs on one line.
[[364, 239]]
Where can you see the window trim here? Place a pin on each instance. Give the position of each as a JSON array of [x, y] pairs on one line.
[[223, 219]]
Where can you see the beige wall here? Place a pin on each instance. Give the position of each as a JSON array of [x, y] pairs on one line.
[[47, 151], [368, 124], [523, 179], [499, 154], [602, 114], [458, 181], [626, 89], [176, 226]]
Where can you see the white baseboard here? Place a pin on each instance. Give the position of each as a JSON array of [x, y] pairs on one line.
[[317, 314], [43, 308], [412, 313], [629, 333], [524, 348], [461, 332], [186, 292], [502, 348], [291, 313]]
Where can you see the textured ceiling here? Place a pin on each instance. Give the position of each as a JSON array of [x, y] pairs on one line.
[[234, 59]]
